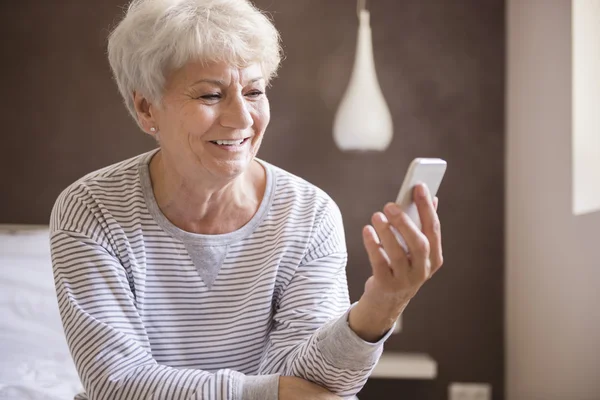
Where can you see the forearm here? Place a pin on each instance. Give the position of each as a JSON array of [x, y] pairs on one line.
[[372, 318], [154, 382], [114, 366], [333, 357]]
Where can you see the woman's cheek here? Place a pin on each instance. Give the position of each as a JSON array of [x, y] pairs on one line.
[[265, 114]]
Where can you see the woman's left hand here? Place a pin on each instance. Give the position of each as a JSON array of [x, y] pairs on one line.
[[397, 275]]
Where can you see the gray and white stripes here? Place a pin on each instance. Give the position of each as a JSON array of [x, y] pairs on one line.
[[153, 312]]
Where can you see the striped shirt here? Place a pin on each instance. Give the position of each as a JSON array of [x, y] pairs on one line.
[[154, 312]]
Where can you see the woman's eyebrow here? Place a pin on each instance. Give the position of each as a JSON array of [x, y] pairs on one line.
[[217, 82], [220, 82]]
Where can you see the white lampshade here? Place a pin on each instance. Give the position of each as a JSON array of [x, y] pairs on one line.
[[363, 121]]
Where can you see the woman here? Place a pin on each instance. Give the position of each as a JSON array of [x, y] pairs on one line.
[[197, 271]]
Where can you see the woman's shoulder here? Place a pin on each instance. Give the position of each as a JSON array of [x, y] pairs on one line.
[[124, 170], [111, 184], [295, 190]]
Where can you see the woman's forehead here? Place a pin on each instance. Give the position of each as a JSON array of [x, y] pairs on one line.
[[217, 73]]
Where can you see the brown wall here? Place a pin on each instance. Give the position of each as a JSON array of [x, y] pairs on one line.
[[441, 67]]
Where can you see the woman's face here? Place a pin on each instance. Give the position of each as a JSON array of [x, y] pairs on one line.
[[213, 117]]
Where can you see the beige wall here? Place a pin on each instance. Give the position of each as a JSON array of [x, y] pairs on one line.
[[553, 258]]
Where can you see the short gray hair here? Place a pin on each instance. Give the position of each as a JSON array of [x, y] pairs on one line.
[[159, 36]]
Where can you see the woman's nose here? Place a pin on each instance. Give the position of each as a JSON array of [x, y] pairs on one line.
[[236, 114]]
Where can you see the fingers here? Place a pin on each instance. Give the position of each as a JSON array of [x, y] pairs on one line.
[[386, 253], [417, 242], [390, 243], [435, 203], [378, 258], [430, 223]]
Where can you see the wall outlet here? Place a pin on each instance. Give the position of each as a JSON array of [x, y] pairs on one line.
[[469, 391]]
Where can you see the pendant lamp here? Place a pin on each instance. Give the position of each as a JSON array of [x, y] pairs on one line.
[[363, 121]]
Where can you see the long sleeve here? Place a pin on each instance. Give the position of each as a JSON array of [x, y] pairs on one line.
[[311, 337], [107, 338]]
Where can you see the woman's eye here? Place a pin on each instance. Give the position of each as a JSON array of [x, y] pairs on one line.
[[212, 96], [254, 93]]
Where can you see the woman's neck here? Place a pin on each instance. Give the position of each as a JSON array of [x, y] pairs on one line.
[[202, 205]]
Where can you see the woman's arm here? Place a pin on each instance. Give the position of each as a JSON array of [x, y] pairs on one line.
[[103, 327], [311, 338]]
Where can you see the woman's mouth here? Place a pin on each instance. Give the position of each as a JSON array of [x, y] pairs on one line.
[[230, 144]]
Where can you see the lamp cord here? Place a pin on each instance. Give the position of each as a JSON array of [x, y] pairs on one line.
[[360, 6]]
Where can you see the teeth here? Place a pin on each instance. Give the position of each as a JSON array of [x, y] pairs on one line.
[[229, 142]]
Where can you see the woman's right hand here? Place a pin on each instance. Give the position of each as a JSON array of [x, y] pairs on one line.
[[292, 388]]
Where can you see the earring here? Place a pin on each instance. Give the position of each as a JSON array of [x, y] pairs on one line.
[[153, 129]]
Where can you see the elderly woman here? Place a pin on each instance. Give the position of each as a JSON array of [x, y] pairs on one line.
[[198, 271]]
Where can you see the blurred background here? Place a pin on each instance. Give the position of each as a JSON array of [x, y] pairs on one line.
[[484, 84]]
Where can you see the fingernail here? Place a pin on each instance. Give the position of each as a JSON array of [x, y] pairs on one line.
[[393, 209], [423, 191]]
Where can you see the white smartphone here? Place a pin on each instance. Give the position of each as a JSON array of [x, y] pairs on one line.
[[429, 171]]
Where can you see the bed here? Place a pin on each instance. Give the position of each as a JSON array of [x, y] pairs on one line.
[[35, 363]]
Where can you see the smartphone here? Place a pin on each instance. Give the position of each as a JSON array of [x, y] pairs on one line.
[[429, 171]]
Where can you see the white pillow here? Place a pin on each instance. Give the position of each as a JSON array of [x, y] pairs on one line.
[[35, 362]]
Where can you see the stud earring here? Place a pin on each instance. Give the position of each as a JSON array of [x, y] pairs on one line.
[[153, 129]]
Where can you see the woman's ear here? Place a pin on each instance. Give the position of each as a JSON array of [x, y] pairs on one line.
[[145, 115]]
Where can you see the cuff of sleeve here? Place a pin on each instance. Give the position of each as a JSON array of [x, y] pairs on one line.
[[260, 387], [342, 347]]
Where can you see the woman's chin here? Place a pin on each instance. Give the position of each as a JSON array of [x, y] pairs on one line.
[[230, 168], [227, 163]]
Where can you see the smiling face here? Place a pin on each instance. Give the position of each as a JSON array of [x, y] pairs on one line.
[[212, 117]]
